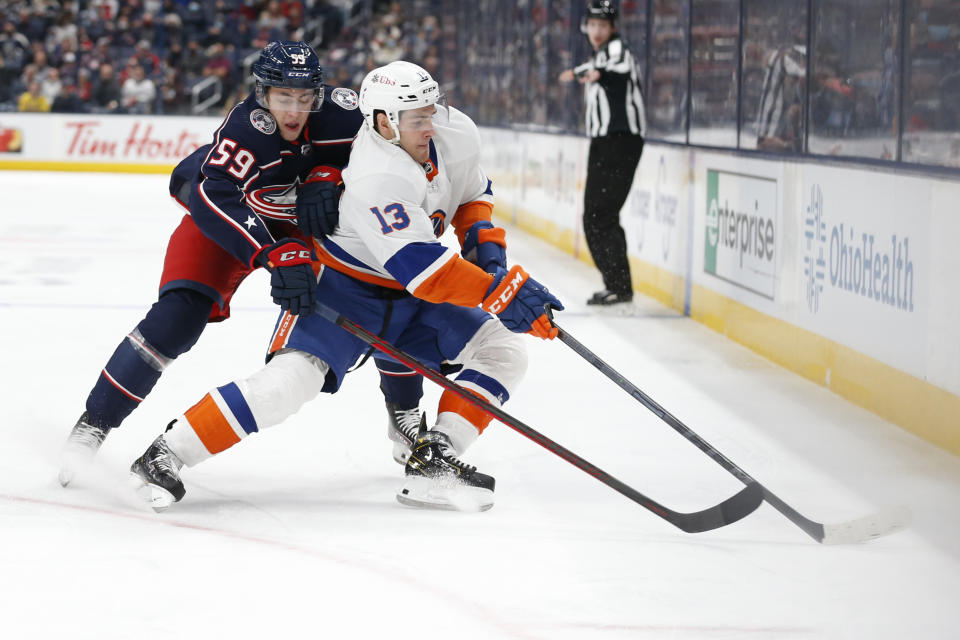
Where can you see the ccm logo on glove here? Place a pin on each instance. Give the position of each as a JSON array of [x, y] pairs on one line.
[[293, 257], [505, 291]]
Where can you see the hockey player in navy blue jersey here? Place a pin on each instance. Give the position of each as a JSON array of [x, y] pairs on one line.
[[254, 197]]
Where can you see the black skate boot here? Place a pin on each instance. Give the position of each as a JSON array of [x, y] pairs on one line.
[[404, 426], [81, 447], [436, 479], [156, 476], [606, 298]]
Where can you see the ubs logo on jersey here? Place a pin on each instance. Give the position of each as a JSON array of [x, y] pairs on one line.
[[278, 202], [346, 98], [263, 121]]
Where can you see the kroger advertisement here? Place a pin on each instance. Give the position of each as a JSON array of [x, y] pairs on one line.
[[656, 214]]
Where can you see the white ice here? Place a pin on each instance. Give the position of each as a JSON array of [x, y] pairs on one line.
[[295, 533]]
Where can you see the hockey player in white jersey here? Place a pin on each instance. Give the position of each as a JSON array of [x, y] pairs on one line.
[[413, 172]]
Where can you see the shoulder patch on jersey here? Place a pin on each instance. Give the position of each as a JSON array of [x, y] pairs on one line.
[[263, 121], [346, 98]]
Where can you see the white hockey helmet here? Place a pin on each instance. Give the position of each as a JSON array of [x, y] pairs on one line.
[[397, 87]]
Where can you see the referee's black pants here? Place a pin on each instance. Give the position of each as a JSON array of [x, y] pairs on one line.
[[611, 163]]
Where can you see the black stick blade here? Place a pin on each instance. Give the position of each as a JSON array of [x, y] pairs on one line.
[[727, 512]]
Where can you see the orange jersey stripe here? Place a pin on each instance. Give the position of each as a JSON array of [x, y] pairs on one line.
[[496, 235], [469, 213], [457, 282], [453, 403], [211, 426], [282, 334], [328, 260]]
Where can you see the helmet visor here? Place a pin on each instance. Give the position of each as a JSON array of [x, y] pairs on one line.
[[288, 99], [424, 118]]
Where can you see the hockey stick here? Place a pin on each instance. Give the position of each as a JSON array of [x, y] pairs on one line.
[[727, 512], [859, 530]]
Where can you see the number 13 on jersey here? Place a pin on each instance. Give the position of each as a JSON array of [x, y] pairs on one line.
[[400, 218]]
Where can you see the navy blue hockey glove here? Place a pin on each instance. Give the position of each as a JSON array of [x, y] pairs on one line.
[[485, 246], [318, 202], [518, 301], [293, 284]]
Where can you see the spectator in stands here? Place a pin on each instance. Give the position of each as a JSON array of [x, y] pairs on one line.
[[7, 78], [100, 55], [21, 84], [84, 86], [219, 66], [193, 61], [14, 46], [68, 101], [138, 93], [65, 30], [146, 58], [40, 61], [67, 62], [106, 10], [272, 19], [32, 99], [50, 86], [294, 14], [106, 91], [171, 92], [33, 24]]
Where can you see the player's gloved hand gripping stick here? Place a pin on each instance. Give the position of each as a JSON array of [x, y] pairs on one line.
[[293, 283], [518, 301]]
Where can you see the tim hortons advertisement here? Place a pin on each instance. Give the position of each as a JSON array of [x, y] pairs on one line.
[[741, 231], [139, 140], [105, 139], [11, 139]]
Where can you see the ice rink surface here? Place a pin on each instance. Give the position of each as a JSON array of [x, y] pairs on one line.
[[295, 533]]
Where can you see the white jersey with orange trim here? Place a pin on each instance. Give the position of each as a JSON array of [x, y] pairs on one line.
[[393, 210]]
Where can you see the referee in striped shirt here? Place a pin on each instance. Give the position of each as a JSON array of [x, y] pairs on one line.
[[616, 124]]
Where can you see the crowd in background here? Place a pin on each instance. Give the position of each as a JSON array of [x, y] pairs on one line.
[[873, 79], [165, 56]]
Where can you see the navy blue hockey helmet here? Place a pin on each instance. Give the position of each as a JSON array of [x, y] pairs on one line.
[[603, 9], [289, 65]]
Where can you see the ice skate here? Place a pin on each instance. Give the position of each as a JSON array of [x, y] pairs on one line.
[[612, 303], [404, 426], [80, 449], [606, 298], [156, 476], [436, 479]]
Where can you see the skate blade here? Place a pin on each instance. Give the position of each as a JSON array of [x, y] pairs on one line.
[[426, 493], [157, 497], [66, 476]]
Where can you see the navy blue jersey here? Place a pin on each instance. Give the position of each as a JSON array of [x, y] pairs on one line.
[[241, 189]]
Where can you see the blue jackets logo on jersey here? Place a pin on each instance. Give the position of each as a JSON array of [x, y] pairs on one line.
[[278, 202], [263, 121]]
